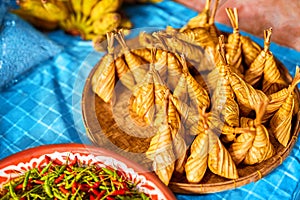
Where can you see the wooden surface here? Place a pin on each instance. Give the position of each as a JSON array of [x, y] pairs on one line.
[[255, 16]]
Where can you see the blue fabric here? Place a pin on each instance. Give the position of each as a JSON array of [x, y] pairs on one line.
[[44, 107], [22, 47]]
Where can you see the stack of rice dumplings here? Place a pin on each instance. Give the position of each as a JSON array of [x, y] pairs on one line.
[[215, 99]]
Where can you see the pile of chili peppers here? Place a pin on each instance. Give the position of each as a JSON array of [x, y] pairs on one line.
[[73, 181]]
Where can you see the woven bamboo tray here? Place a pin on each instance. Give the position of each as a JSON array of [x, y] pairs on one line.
[[104, 126]]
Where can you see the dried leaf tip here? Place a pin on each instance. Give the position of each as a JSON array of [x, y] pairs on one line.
[[296, 80], [207, 5], [233, 17], [213, 13], [267, 37], [121, 39], [110, 42]]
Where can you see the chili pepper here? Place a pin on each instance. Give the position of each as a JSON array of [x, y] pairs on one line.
[[94, 191], [57, 162], [59, 179], [47, 159], [108, 171], [69, 177], [73, 162], [47, 188], [112, 186], [69, 185], [100, 195], [19, 186], [38, 182], [33, 190], [81, 173], [36, 196], [101, 187], [63, 190], [62, 169], [74, 187], [75, 194], [57, 194], [118, 192], [27, 174], [45, 169], [144, 196], [92, 197], [12, 192], [95, 177]]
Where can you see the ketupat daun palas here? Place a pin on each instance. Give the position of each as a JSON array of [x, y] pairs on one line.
[[246, 139]]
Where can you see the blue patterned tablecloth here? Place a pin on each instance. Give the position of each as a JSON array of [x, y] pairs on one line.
[[43, 107]]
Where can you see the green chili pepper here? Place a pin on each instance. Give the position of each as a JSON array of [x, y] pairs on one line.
[[57, 194], [12, 192], [69, 185], [62, 169], [45, 169], [94, 176], [108, 171], [27, 174], [33, 190], [47, 188], [75, 194]]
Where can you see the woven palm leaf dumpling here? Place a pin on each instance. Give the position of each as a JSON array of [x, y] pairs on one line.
[[218, 120]]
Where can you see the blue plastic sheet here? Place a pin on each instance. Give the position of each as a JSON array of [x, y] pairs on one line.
[[44, 107], [22, 47]]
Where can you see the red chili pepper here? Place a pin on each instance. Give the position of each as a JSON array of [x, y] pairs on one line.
[[73, 162], [58, 179], [18, 187], [39, 168], [69, 169], [38, 182], [57, 162], [47, 159], [118, 192], [63, 190], [74, 187], [95, 192], [100, 195], [84, 187], [110, 198], [92, 197], [120, 173], [23, 198]]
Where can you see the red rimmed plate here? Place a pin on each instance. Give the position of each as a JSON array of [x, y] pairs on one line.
[[147, 182]]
